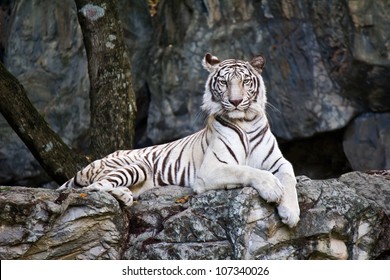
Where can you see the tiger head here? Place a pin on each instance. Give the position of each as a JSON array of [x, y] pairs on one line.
[[234, 88]]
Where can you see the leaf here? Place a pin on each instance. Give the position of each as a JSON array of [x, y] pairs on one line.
[[183, 199]]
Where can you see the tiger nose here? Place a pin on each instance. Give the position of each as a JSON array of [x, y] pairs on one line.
[[235, 102]]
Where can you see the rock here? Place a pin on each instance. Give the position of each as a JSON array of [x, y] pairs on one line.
[[367, 142], [378, 190], [344, 218], [34, 226]]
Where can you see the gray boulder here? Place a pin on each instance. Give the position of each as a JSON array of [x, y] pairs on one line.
[[344, 218], [367, 142], [34, 226]]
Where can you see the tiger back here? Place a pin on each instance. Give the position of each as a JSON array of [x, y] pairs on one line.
[[236, 148]]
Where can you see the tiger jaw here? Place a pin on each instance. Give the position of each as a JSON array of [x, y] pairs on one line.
[[236, 112], [248, 112]]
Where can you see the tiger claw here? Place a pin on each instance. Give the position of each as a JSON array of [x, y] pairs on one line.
[[122, 194]]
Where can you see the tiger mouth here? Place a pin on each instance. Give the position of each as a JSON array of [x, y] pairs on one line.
[[235, 109], [236, 112]]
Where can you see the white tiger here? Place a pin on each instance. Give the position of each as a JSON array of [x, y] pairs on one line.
[[236, 148]]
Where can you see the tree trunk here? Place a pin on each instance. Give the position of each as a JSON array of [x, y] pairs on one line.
[[113, 106], [59, 161]]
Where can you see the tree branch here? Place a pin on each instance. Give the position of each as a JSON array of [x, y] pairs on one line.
[[59, 161]]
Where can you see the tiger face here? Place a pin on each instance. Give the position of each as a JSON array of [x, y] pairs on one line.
[[235, 88]]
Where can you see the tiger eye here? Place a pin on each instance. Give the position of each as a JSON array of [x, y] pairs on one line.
[[247, 81], [222, 82]]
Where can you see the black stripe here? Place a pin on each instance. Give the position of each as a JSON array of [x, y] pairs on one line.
[[111, 164], [233, 127], [170, 147], [269, 153], [219, 158], [120, 181], [111, 180], [202, 146], [125, 181], [212, 86], [205, 137], [170, 178], [143, 171], [189, 172], [90, 173], [178, 160], [261, 134], [277, 170], [134, 175], [275, 163], [229, 149], [164, 162], [204, 141], [182, 182], [115, 161], [154, 155], [160, 180]]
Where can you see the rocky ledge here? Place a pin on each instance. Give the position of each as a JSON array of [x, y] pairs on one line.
[[343, 218]]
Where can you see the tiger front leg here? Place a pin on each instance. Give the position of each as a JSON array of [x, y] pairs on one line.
[[288, 207], [268, 186]]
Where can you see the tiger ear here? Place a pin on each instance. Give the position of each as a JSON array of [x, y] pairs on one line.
[[258, 63], [210, 62]]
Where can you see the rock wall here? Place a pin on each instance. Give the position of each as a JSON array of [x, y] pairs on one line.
[[344, 218], [324, 64], [367, 142], [327, 70]]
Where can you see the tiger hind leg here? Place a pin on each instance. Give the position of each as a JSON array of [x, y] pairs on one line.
[[120, 181], [122, 194]]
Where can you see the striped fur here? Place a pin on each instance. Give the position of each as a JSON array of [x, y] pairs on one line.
[[236, 148]]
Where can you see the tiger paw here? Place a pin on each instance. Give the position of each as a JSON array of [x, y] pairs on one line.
[[199, 186], [270, 188], [122, 194], [289, 214]]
